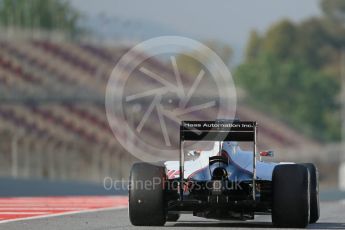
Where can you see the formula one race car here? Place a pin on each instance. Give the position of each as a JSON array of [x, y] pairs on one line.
[[217, 179]]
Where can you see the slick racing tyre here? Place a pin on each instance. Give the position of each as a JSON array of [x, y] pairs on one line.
[[314, 192], [146, 195], [290, 206]]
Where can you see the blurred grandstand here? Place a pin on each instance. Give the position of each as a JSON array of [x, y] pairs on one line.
[[53, 123]]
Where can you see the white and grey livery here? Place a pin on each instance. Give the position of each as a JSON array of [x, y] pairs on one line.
[[219, 179]]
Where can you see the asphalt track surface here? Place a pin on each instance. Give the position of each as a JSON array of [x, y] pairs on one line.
[[332, 217]]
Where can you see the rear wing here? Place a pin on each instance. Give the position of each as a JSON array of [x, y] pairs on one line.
[[222, 130], [217, 131]]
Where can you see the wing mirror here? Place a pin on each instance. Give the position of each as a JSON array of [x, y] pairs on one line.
[[268, 153]]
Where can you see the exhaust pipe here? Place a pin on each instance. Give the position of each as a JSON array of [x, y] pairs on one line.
[[219, 173]]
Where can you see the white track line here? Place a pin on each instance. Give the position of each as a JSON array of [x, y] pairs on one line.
[[38, 208], [23, 213], [63, 214]]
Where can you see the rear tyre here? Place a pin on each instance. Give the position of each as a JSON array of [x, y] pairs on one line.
[[146, 195], [314, 192], [290, 206], [173, 217]]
